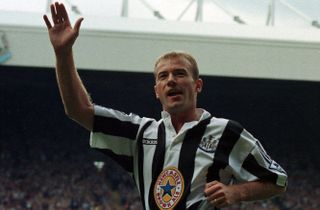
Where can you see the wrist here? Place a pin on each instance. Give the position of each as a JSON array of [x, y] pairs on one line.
[[63, 53], [241, 192]]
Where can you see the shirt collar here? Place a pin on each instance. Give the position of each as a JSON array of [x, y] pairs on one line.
[[205, 114]]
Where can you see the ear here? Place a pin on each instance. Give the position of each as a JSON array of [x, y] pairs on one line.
[[155, 91], [199, 85]]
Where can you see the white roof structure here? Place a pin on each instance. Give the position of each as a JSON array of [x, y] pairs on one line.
[[292, 13], [123, 41]]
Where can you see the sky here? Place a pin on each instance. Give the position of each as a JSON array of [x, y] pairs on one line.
[[295, 13]]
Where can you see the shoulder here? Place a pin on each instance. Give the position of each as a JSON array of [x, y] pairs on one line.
[[105, 112], [226, 124], [226, 129]]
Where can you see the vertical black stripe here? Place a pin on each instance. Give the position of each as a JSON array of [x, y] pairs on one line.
[[187, 158], [140, 162], [230, 136], [157, 164], [195, 206]]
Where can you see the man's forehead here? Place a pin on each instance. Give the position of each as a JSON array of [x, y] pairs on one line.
[[175, 62]]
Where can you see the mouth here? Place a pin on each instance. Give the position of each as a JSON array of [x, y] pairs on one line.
[[174, 92]]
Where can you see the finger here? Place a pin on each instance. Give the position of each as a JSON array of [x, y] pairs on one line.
[[209, 184], [53, 14], [220, 202], [64, 13], [46, 20], [214, 202], [215, 196], [212, 188], [77, 25], [58, 9]]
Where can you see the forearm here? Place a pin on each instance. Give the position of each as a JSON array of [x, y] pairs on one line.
[[257, 190], [76, 101]]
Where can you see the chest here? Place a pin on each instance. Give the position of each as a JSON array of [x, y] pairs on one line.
[[195, 144]]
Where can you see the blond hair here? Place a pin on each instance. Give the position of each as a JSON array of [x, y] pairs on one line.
[[180, 54]]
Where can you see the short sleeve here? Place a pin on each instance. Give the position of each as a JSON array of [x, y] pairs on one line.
[[249, 161]]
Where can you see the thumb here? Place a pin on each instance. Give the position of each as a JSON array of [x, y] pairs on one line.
[[77, 25]]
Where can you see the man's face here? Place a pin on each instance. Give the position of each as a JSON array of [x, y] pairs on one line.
[[175, 86]]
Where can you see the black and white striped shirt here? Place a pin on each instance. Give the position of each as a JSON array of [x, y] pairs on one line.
[[171, 169]]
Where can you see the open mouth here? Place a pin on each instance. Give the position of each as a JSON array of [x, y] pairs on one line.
[[174, 92]]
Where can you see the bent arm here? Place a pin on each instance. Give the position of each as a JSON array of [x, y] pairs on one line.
[[258, 190], [259, 177], [220, 195]]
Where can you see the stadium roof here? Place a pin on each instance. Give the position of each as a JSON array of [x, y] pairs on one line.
[[283, 13]]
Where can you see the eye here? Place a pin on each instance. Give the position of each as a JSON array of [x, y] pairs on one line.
[[162, 75], [180, 72]]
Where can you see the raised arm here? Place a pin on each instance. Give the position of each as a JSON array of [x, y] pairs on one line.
[[76, 101]]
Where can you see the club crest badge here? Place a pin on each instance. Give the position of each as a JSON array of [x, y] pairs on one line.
[[168, 188], [209, 144]]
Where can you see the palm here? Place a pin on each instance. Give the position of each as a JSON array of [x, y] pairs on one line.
[[62, 35]]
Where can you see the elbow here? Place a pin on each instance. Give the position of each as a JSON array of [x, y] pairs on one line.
[[70, 113], [282, 190], [83, 116], [279, 190], [74, 111]]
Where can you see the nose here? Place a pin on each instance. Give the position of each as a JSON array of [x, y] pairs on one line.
[[171, 79]]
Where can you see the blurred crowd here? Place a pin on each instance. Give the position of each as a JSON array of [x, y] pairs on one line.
[[64, 184], [74, 182]]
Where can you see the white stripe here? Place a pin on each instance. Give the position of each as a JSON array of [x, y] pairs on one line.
[[204, 160], [119, 145], [239, 153]]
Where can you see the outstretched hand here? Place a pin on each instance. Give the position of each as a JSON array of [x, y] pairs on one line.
[[61, 33]]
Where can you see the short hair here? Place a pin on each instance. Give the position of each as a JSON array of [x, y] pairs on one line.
[[180, 54]]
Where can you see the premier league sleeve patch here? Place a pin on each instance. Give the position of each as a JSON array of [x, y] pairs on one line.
[[168, 188]]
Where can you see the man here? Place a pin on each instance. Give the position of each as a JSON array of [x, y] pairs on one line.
[[186, 160]]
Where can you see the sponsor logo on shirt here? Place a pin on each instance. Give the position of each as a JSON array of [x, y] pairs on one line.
[[149, 141], [168, 188]]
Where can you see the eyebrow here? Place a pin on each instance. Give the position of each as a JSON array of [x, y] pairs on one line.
[[181, 69], [177, 69]]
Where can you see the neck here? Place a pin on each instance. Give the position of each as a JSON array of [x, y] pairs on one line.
[[179, 119]]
